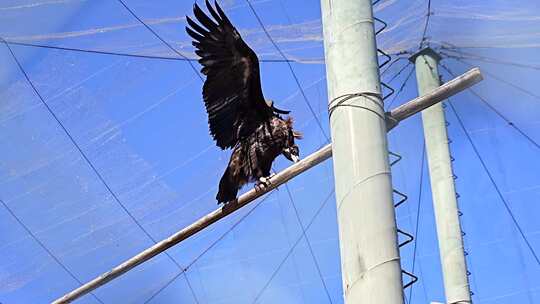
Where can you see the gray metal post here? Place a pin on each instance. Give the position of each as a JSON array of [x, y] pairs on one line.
[[370, 260], [456, 283]]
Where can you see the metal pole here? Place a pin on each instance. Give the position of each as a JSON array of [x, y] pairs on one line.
[[370, 261], [456, 283]]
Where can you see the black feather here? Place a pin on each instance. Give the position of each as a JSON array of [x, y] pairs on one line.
[[195, 35], [201, 16], [200, 30], [213, 12]]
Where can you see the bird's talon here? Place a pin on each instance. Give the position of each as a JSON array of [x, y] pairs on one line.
[[259, 187], [265, 181]]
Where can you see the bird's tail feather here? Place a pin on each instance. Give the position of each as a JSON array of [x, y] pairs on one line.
[[227, 188]]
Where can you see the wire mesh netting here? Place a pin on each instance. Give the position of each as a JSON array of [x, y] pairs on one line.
[[105, 150]]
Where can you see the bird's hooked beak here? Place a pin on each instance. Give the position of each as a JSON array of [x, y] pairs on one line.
[[270, 104], [291, 154]]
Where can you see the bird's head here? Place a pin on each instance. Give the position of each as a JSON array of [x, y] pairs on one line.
[[291, 151]]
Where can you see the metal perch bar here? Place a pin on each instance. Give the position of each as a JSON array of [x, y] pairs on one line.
[[406, 110]]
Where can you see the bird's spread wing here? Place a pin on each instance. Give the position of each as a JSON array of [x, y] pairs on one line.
[[232, 91]]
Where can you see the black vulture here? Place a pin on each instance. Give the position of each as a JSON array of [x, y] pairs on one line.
[[239, 116]]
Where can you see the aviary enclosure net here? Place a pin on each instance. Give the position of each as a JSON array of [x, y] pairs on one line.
[[116, 154]]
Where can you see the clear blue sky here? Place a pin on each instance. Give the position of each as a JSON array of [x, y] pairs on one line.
[[142, 124]]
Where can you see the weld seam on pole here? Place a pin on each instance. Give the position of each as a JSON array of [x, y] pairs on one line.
[[371, 269], [359, 183]]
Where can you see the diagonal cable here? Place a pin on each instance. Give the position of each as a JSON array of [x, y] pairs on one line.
[[42, 245], [400, 88], [160, 38], [293, 204], [319, 272], [291, 250], [421, 183], [490, 60], [499, 193], [221, 237], [83, 154], [507, 120], [80, 50], [290, 68], [399, 72], [428, 16], [515, 86], [396, 60]]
